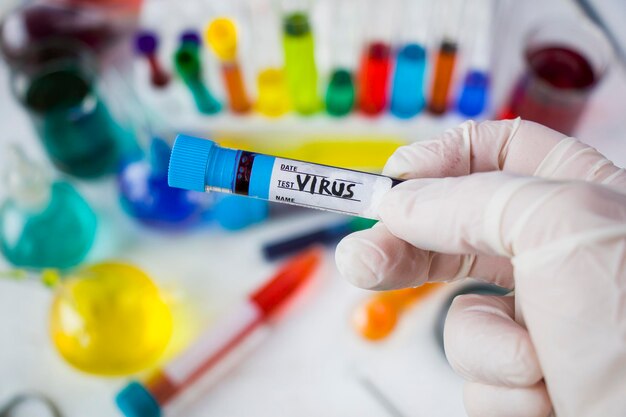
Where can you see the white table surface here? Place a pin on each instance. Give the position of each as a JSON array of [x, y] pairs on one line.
[[310, 362]]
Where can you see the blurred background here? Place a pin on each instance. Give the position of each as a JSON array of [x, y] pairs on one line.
[[122, 296]]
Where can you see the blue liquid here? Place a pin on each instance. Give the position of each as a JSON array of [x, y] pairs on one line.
[[58, 235], [407, 98], [233, 212], [145, 195], [473, 98]]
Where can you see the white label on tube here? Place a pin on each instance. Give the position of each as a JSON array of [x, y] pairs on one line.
[[328, 188], [211, 342]]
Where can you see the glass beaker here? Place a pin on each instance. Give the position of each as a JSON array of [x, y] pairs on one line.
[[564, 61], [57, 86]]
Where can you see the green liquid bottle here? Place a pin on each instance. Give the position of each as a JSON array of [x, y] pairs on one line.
[[340, 93], [300, 66], [43, 224]]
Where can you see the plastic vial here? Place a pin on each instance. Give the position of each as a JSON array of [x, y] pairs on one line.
[[375, 65], [341, 92], [221, 36], [201, 165], [407, 97], [272, 94], [299, 50], [474, 96]]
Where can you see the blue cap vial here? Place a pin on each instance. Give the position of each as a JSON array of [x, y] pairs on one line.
[[197, 164]]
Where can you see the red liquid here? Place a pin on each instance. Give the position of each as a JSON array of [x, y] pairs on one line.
[[374, 78], [555, 90], [158, 77]]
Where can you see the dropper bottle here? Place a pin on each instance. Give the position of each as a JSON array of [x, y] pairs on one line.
[[43, 223]]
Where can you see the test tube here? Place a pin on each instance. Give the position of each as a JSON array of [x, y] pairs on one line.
[[189, 66], [340, 93], [376, 56], [446, 57], [221, 36], [147, 44], [272, 96], [407, 97], [474, 93], [147, 399], [299, 50], [201, 165]]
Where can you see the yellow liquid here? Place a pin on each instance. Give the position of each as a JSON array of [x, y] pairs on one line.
[[110, 319], [273, 97], [365, 153], [300, 68]]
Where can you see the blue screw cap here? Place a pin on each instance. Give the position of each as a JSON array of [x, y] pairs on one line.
[[188, 162], [135, 401]]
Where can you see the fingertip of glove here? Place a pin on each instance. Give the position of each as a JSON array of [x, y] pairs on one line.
[[357, 261]]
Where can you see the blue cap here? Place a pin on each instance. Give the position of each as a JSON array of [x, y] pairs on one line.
[[135, 401], [188, 162], [196, 163]]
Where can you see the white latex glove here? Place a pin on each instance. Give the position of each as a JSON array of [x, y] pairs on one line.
[[552, 224]]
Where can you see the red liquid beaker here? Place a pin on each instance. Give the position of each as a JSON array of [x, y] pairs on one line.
[[564, 62]]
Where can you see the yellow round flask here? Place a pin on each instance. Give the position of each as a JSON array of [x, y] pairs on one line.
[[110, 319]]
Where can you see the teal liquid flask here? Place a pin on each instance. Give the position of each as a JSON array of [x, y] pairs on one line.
[[43, 223], [59, 91]]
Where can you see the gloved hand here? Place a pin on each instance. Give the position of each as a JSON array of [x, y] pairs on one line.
[[552, 224]]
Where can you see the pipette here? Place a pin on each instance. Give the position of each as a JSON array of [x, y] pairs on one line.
[[327, 235], [407, 96], [147, 44], [272, 95], [221, 36], [299, 49], [189, 66], [147, 399], [474, 93], [43, 223], [377, 317], [201, 165], [446, 58]]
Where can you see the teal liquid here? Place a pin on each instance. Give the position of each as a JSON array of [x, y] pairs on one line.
[[340, 93], [76, 128], [58, 235], [407, 97], [189, 67]]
